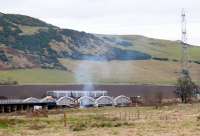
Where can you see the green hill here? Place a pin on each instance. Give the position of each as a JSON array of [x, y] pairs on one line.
[[159, 48], [40, 45], [35, 52]]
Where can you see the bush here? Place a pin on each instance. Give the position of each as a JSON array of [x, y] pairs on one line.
[[160, 59], [197, 62], [175, 60], [8, 82]]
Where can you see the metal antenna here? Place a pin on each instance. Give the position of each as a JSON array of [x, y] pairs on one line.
[[184, 55]]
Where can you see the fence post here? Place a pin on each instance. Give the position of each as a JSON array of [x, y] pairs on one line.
[[65, 120], [132, 118], [160, 115], [3, 109], [138, 114]]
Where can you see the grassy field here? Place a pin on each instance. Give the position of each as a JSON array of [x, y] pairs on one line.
[[116, 71], [160, 48], [37, 76], [112, 72], [176, 120]]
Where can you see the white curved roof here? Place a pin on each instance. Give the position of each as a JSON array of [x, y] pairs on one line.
[[65, 100], [104, 100], [122, 100], [86, 100], [31, 100], [86, 97]]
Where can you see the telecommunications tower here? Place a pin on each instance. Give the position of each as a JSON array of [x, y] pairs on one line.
[[185, 46]]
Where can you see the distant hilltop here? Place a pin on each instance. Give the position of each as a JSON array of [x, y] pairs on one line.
[[27, 42]]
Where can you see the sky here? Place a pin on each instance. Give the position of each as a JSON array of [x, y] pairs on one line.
[[153, 18]]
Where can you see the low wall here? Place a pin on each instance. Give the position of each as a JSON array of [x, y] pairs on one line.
[[39, 91]]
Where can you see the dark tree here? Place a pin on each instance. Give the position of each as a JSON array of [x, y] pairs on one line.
[[186, 89]]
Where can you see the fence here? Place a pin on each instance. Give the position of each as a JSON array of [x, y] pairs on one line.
[[126, 116]]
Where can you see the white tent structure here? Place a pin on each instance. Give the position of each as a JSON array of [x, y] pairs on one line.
[[104, 101], [86, 101], [31, 100], [65, 101], [122, 101]]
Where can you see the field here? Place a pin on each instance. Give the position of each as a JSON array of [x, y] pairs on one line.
[[160, 48], [174, 120], [116, 71], [101, 72]]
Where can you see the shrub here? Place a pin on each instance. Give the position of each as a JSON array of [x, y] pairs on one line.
[[197, 62], [160, 59], [175, 60]]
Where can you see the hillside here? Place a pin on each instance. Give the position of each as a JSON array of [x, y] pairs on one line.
[[49, 54], [161, 48], [27, 42], [102, 72]]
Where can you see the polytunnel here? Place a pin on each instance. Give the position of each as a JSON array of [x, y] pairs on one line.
[[104, 101], [65, 101], [86, 101], [122, 101]]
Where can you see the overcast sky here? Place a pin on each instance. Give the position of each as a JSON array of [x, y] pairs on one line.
[[153, 18]]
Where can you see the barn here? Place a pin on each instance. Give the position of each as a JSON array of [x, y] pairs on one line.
[[122, 101], [104, 101]]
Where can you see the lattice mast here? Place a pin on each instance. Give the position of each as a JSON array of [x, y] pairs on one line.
[[185, 46]]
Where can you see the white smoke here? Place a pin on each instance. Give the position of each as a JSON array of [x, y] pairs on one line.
[[88, 72], [83, 75]]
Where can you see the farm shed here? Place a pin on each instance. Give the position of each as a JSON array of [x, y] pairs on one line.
[[31, 100], [86, 101], [65, 101], [122, 101], [104, 101]]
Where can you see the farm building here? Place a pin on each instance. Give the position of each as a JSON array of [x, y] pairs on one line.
[[104, 101], [86, 101], [31, 100], [76, 93], [122, 101], [65, 101]]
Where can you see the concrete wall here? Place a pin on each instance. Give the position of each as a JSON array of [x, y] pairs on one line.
[[39, 91]]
